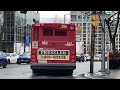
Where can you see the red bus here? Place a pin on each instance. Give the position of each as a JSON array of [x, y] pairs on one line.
[[53, 47]]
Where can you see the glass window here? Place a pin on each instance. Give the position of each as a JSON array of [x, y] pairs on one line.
[[8, 37], [84, 24], [60, 33], [79, 17], [99, 42], [88, 24], [47, 32], [73, 17], [84, 35], [12, 37], [84, 31], [84, 39]]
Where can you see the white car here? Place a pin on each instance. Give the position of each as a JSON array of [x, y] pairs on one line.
[[87, 57], [96, 58], [12, 57]]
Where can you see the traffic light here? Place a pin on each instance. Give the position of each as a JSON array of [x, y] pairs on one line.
[[24, 12], [95, 20]]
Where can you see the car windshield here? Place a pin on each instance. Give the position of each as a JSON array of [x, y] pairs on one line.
[[25, 54]]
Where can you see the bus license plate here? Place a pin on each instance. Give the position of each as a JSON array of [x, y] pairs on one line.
[[50, 57]]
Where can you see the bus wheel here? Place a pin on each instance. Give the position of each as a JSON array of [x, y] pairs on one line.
[[70, 72], [35, 71]]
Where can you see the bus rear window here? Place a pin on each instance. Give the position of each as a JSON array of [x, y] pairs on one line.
[[36, 34], [60, 33], [47, 32]]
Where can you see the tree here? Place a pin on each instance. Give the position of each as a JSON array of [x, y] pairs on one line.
[[56, 19], [109, 21]]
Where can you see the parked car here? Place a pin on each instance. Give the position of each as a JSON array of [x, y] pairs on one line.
[[87, 58], [80, 58], [11, 57], [3, 60], [97, 58], [24, 58]]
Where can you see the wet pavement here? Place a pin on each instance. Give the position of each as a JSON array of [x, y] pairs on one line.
[[23, 71]]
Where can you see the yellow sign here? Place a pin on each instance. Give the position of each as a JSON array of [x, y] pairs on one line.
[[95, 21], [64, 26], [52, 57]]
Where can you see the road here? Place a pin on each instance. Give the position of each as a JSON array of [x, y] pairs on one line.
[[23, 71]]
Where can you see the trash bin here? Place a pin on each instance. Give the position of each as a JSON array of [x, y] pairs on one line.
[[113, 63]]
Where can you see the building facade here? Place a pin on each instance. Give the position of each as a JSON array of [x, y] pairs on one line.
[[84, 21], [14, 27]]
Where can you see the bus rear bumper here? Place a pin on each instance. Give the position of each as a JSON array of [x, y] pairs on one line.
[[52, 66]]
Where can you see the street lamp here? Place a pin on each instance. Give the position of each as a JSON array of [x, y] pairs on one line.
[[65, 17]]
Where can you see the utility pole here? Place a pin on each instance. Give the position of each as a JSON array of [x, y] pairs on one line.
[[103, 49], [0, 34], [25, 34], [24, 12], [64, 18], [94, 25], [103, 16]]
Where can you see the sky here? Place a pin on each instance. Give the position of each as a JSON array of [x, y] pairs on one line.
[[47, 16]]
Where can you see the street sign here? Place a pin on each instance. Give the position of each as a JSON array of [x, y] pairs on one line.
[[27, 40]]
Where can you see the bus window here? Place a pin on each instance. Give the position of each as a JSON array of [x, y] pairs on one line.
[[60, 33], [47, 32], [36, 34]]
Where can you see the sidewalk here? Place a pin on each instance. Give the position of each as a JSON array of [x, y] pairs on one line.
[[115, 74]]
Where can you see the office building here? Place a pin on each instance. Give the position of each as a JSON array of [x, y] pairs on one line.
[[84, 21], [14, 26]]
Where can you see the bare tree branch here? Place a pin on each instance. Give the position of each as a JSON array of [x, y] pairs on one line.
[[112, 22], [109, 30], [117, 23], [113, 15], [101, 23], [56, 19]]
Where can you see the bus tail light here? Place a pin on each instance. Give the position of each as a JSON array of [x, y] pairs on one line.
[[33, 56]]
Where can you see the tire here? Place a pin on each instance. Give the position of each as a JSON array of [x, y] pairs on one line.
[[5, 65], [35, 71], [8, 61], [70, 72], [18, 62], [27, 62], [79, 60]]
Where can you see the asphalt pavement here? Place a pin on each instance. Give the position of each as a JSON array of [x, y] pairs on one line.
[[23, 71]]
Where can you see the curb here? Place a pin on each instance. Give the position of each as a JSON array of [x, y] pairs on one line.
[[96, 76]]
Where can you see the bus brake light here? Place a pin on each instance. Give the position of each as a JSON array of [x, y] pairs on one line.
[[33, 56]]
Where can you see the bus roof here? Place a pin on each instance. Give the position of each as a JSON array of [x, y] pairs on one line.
[[50, 24]]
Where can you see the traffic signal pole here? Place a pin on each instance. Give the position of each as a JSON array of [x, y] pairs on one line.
[[25, 34], [92, 46]]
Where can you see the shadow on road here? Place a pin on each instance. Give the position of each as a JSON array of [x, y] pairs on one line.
[[52, 74]]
